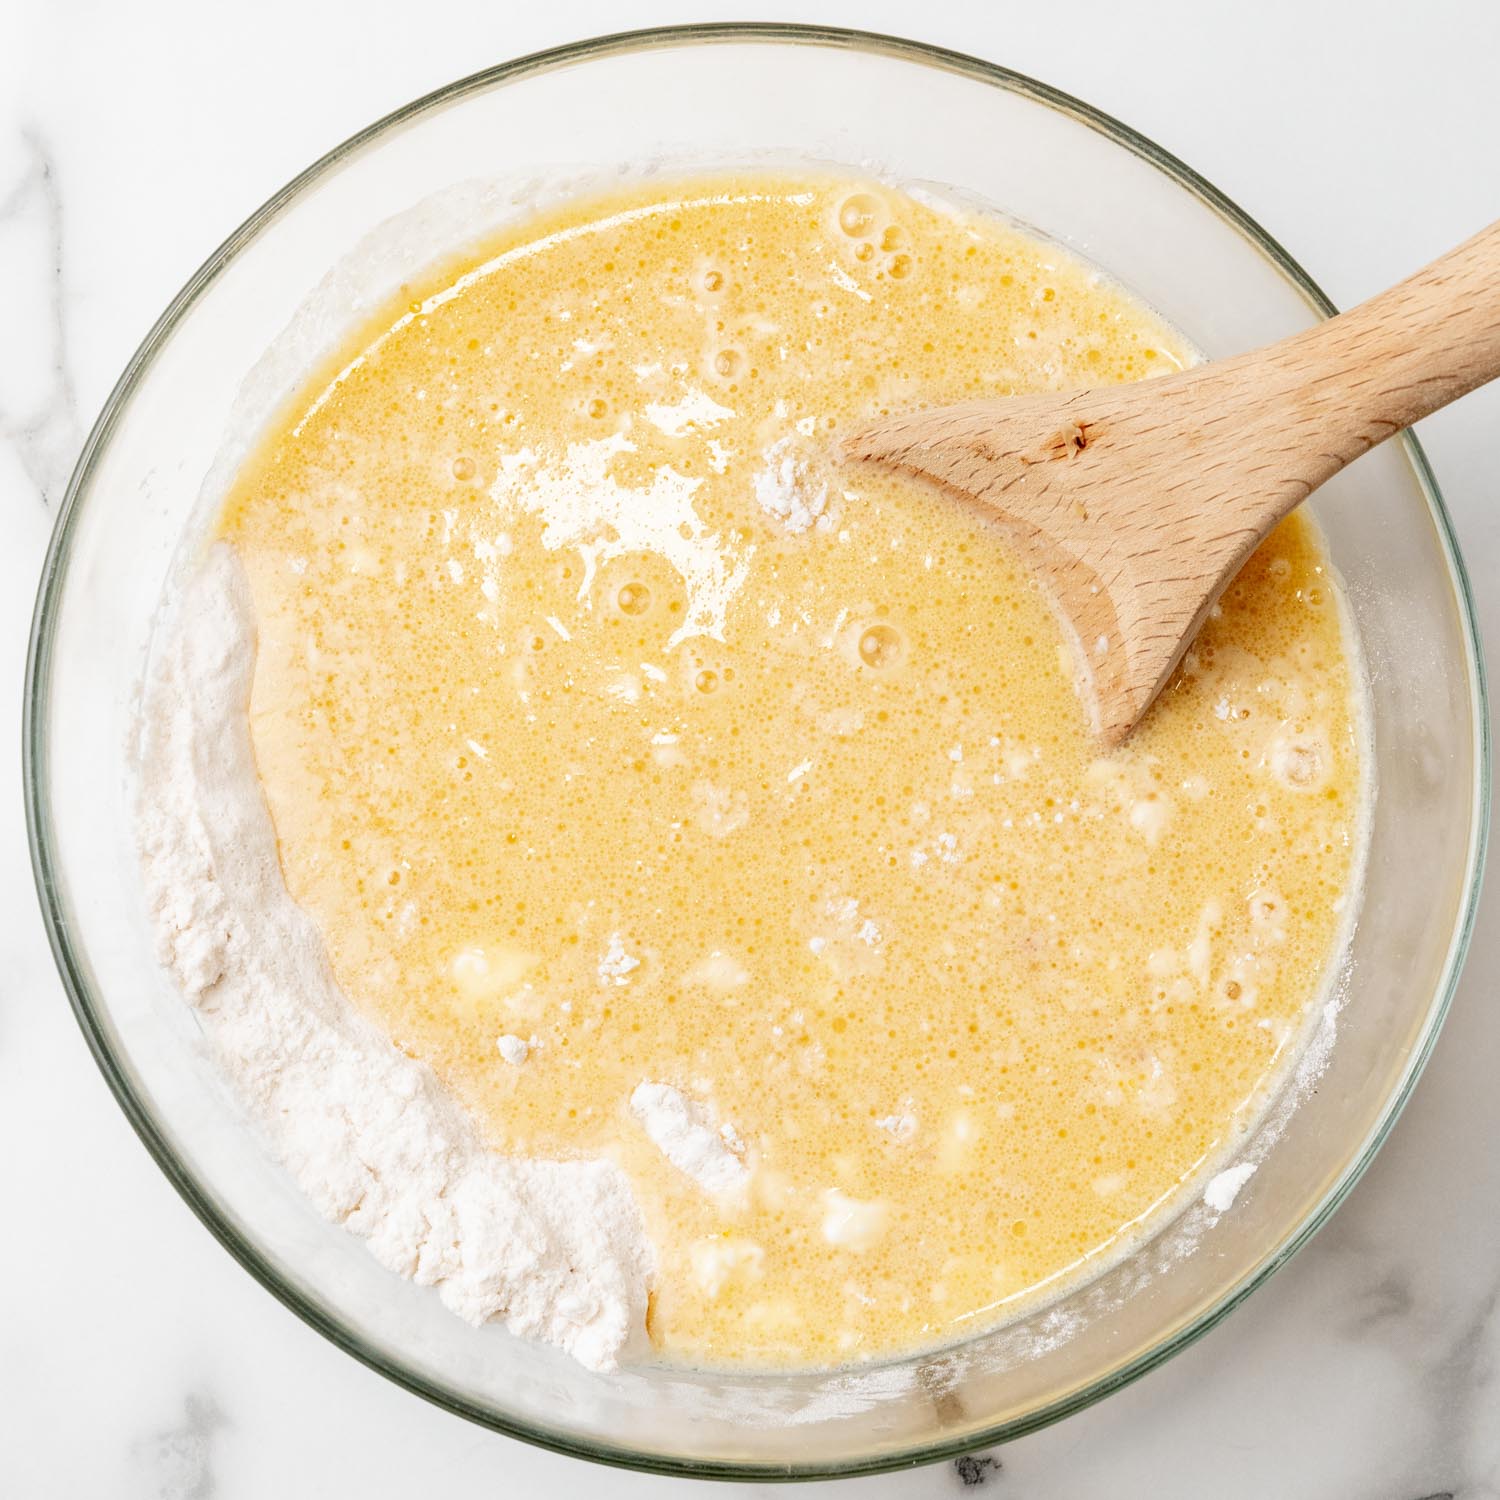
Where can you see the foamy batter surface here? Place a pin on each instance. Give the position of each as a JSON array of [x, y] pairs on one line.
[[686, 798]]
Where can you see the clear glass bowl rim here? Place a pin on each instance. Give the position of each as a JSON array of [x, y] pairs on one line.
[[37, 791]]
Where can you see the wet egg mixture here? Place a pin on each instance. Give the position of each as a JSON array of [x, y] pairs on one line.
[[685, 796]]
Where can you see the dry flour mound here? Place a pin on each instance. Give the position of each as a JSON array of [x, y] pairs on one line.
[[556, 1249]]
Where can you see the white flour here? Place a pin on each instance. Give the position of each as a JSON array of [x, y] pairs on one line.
[[555, 1249], [679, 1130], [784, 491], [515, 1050], [1224, 1188]]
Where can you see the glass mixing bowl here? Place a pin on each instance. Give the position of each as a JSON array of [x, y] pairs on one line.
[[184, 409]]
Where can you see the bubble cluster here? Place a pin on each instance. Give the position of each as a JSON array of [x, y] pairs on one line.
[[875, 241]]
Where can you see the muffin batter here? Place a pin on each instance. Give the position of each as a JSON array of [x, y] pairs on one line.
[[689, 799]]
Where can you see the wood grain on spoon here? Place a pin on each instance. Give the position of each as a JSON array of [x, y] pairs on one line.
[[1137, 504]]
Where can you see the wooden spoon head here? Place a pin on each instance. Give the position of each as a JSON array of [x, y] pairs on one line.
[[1114, 504]]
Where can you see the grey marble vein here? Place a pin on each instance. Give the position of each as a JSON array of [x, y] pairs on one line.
[[1459, 1385], [177, 1462], [975, 1470], [39, 408]]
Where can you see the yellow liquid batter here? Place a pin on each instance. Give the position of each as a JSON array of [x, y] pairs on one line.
[[615, 734]]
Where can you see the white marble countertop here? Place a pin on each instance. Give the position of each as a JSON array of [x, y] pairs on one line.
[[136, 1358]]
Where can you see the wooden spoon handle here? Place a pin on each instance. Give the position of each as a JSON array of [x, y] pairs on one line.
[[1351, 382]]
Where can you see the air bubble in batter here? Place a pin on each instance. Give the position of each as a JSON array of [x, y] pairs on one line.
[[880, 646], [633, 598], [860, 214], [1298, 761]]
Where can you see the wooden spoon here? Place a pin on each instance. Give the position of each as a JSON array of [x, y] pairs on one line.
[[1137, 504]]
